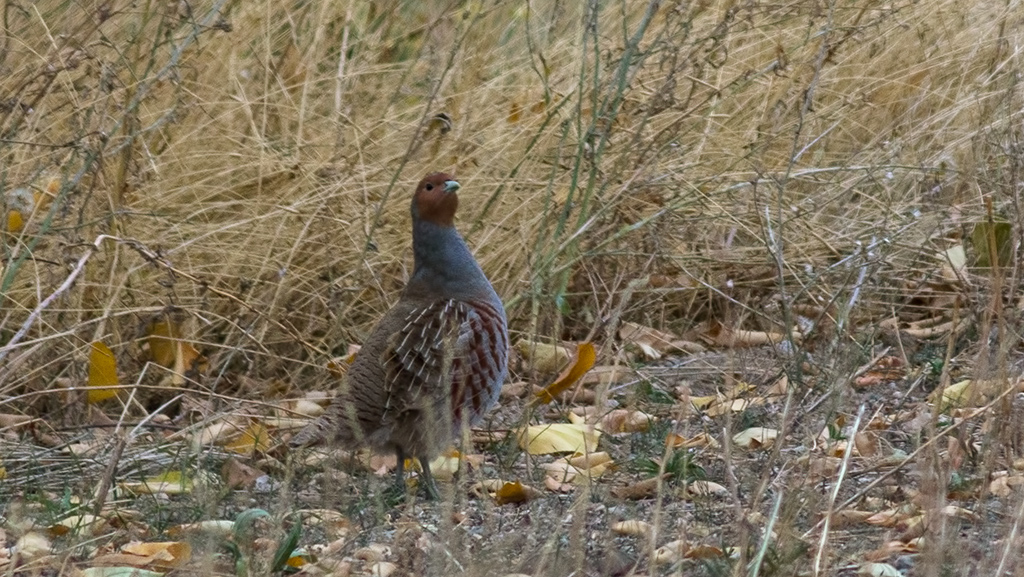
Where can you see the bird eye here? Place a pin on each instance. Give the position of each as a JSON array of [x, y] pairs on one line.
[[430, 187]]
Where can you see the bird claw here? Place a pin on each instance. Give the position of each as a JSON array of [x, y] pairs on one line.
[[430, 488]]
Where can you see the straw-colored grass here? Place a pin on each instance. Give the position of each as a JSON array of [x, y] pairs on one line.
[[265, 162], [668, 163]]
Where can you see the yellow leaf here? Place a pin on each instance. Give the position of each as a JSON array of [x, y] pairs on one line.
[[582, 362], [255, 438], [84, 525], [515, 112], [102, 373], [559, 438], [170, 483], [544, 357], [15, 222], [168, 348], [514, 492], [735, 406], [20, 204], [163, 335], [297, 560], [701, 403], [707, 552], [580, 469], [446, 465], [165, 555], [969, 393]]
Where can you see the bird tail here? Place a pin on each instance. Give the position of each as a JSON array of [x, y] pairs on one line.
[[339, 425], [312, 434]]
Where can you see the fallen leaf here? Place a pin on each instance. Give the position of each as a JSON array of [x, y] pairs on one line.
[[253, 439], [720, 335], [633, 527], [161, 555], [707, 552], [973, 392], [887, 550], [545, 358], [117, 571], [626, 421], [886, 369], [887, 518], [372, 552], [383, 569], [755, 437], [671, 552], [446, 465], [559, 438], [866, 443], [211, 528], [779, 387], [645, 489], [554, 485], [515, 112], [580, 469], [102, 373], [168, 347], [706, 489], [982, 236], [590, 460], [514, 390], [961, 513], [32, 545], [701, 403], [608, 374], [581, 362], [169, 483], [652, 342], [305, 407], [848, 517], [514, 492], [731, 406], [878, 570], [12, 420], [21, 203], [84, 525], [237, 474], [700, 440], [218, 433], [15, 222]]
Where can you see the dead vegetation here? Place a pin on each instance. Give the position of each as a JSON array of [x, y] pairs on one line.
[[793, 233]]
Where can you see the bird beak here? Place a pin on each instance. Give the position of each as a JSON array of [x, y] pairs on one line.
[[451, 185]]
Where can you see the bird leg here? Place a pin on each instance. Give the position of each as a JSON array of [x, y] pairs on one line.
[[428, 481], [426, 478], [400, 469]]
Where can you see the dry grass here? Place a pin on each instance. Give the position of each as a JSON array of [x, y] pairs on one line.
[[250, 163]]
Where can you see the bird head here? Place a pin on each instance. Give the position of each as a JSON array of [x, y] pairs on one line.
[[436, 199]]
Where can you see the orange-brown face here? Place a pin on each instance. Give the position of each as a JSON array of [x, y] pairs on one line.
[[436, 199]]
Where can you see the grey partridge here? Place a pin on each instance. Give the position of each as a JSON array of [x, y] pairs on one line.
[[436, 361]]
